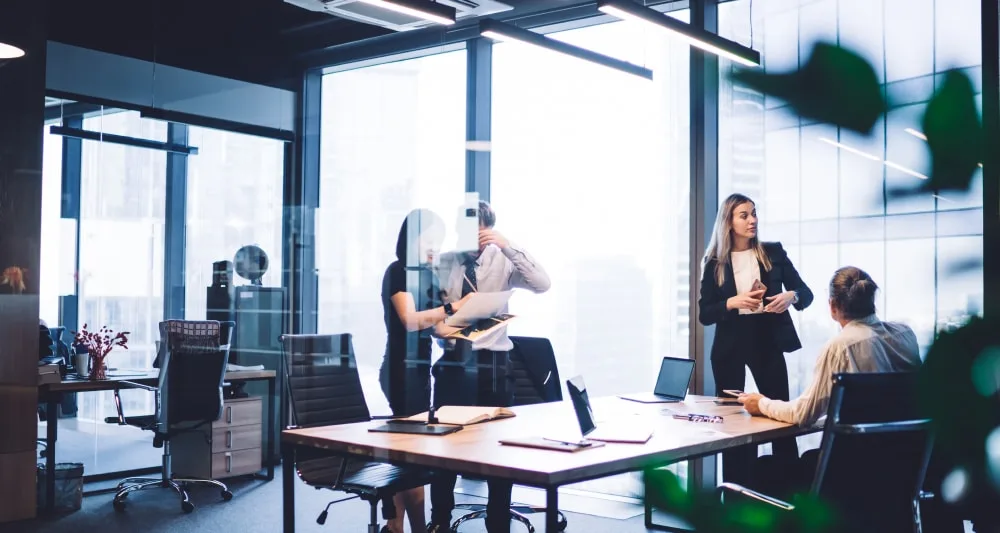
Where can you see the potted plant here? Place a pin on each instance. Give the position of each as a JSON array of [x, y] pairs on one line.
[[99, 344]]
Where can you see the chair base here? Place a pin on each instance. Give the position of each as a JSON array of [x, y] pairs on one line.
[[179, 485], [479, 511]]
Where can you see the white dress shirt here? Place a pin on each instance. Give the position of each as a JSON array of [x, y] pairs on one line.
[[864, 345], [496, 271]]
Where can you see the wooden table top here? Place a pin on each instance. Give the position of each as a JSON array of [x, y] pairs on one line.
[[74, 384], [475, 450]]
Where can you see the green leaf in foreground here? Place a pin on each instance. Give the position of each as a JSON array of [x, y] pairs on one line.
[[835, 86]]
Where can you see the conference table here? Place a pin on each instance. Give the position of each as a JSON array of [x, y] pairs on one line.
[[51, 388], [476, 450]]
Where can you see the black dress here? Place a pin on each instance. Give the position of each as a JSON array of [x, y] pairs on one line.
[[405, 371]]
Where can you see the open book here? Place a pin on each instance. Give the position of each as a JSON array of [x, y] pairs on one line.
[[481, 327], [462, 415]]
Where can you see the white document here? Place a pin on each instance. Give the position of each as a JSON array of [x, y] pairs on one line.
[[481, 305]]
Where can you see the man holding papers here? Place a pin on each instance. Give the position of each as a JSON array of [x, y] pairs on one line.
[[476, 372]]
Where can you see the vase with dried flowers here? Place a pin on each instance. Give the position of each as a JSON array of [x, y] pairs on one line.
[[99, 344]]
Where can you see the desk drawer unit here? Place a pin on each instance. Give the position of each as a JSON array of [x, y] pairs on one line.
[[229, 439], [236, 463], [231, 447], [240, 412]]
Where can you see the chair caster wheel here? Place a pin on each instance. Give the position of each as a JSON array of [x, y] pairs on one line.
[[118, 505], [227, 495], [187, 506]]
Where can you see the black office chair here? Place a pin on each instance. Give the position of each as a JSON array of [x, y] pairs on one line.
[[873, 457], [535, 380], [188, 396], [325, 390]]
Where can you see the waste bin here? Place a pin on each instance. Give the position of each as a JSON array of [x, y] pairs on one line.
[[69, 486]]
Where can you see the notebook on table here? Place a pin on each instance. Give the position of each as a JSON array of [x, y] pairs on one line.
[[462, 415], [671, 383]]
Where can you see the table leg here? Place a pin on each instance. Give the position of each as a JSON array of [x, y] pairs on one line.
[[552, 510], [272, 407], [51, 433], [288, 487]]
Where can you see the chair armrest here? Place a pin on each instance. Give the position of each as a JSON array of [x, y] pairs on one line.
[[763, 498], [118, 400], [150, 388]]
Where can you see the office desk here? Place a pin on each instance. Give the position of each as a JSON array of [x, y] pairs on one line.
[[50, 392], [475, 450]]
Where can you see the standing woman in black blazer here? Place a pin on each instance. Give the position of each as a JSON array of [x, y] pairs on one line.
[[753, 327]]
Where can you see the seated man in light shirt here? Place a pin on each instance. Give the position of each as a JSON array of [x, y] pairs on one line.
[[477, 373], [865, 344]]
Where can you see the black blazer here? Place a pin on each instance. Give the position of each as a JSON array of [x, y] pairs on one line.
[[782, 277]]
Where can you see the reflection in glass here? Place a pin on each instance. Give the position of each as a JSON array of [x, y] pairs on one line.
[[234, 198], [393, 139], [600, 199]]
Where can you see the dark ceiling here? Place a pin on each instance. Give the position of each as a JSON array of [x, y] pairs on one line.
[[251, 40]]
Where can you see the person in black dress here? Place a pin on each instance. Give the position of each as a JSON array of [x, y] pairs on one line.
[[411, 304]]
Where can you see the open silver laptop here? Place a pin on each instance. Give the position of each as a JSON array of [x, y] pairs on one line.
[[671, 383], [626, 433]]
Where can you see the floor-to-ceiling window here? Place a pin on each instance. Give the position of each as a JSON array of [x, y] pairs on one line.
[[58, 234], [119, 283], [590, 173], [392, 140], [234, 198], [822, 191]]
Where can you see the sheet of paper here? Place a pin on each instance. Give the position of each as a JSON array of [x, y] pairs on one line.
[[480, 305]]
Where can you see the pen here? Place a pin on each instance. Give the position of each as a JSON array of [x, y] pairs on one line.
[[700, 418], [582, 443]]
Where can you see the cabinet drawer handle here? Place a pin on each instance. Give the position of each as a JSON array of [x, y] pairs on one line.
[[229, 439], [229, 414], [229, 462]]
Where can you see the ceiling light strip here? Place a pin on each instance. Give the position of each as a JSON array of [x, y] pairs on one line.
[[500, 31], [697, 37]]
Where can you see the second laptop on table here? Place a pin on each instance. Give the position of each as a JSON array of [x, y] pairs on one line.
[[671, 383]]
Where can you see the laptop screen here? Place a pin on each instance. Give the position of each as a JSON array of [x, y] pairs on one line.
[[674, 378], [581, 404]]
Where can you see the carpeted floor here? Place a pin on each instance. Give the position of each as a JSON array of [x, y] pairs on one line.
[[256, 508]]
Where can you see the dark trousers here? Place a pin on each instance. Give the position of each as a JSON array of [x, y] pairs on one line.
[[479, 377], [497, 506], [771, 375]]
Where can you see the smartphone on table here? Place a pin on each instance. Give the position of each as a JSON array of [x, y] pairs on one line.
[[732, 392]]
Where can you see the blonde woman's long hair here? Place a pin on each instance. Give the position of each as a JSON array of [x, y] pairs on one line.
[[721, 244]]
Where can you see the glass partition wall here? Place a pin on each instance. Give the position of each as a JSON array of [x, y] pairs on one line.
[[104, 251]]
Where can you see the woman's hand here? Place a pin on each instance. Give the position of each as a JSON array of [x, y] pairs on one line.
[[749, 300], [779, 303]]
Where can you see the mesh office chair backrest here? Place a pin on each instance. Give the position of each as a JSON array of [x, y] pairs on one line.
[[191, 377], [875, 451], [323, 380]]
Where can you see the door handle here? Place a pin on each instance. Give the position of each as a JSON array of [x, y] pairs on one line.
[[229, 414], [229, 462], [229, 439]]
